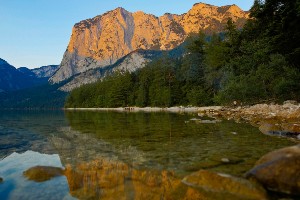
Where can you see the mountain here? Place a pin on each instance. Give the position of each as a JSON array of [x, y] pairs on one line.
[[131, 62], [45, 71], [12, 79], [26, 72], [102, 40]]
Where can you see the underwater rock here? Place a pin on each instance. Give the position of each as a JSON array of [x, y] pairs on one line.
[[225, 185], [279, 170], [42, 173]]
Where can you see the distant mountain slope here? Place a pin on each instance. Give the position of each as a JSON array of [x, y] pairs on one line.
[[26, 72], [45, 71], [15, 79], [102, 40]]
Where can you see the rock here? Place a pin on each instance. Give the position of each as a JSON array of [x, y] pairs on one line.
[[1, 180], [102, 40], [292, 127], [268, 128], [205, 121], [293, 102], [226, 185], [45, 71], [130, 62], [225, 160], [279, 170], [280, 129], [210, 109], [42, 173]]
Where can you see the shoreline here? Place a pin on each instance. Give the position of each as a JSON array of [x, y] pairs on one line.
[[287, 111], [273, 119], [177, 109]]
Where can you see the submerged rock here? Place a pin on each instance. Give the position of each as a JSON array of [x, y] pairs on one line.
[[1, 180], [205, 121], [42, 173], [227, 186], [280, 129], [279, 170]]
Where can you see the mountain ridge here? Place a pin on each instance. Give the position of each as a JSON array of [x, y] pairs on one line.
[[12, 78], [100, 41]]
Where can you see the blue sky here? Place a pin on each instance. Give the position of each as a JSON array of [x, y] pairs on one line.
[[34, 33]]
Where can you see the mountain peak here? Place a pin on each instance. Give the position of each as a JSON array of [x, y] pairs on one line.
[[118, 10], [102, 40], [201, 4], [234, 9], [230, 9]]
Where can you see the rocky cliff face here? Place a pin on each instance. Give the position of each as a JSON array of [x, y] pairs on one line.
[[131, 62], [102, 40], [45, 71]]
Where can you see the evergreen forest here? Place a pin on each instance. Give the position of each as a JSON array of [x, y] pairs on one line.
[[259, 63]]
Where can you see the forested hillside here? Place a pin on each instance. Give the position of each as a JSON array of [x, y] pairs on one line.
[[255, 64], [40, 97]]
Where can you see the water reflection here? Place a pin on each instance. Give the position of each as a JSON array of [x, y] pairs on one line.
[[110, 155], [16, 186], [21, 131], [171, 141]]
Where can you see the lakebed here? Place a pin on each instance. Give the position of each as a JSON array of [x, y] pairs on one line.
[[129, 155]]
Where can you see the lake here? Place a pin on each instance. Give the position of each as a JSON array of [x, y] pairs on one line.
[[119, 155]]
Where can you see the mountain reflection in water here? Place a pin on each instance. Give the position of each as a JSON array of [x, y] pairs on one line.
[[16, 186], [110, 155]]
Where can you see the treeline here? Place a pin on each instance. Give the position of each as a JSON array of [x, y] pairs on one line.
[[259, 63], [45, 96]]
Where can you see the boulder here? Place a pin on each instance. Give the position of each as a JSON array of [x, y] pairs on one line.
[[269, 127], [279, 170], [42, 173], [225, 186], [280, 129]]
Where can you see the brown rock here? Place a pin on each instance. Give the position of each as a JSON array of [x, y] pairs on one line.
[[279, 170], [42, 173], [268, 127], [227, 186]]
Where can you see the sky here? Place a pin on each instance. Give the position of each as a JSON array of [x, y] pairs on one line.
[[35, 33]]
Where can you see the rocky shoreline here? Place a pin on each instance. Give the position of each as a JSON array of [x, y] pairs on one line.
[[277, 171], [273, 119]]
